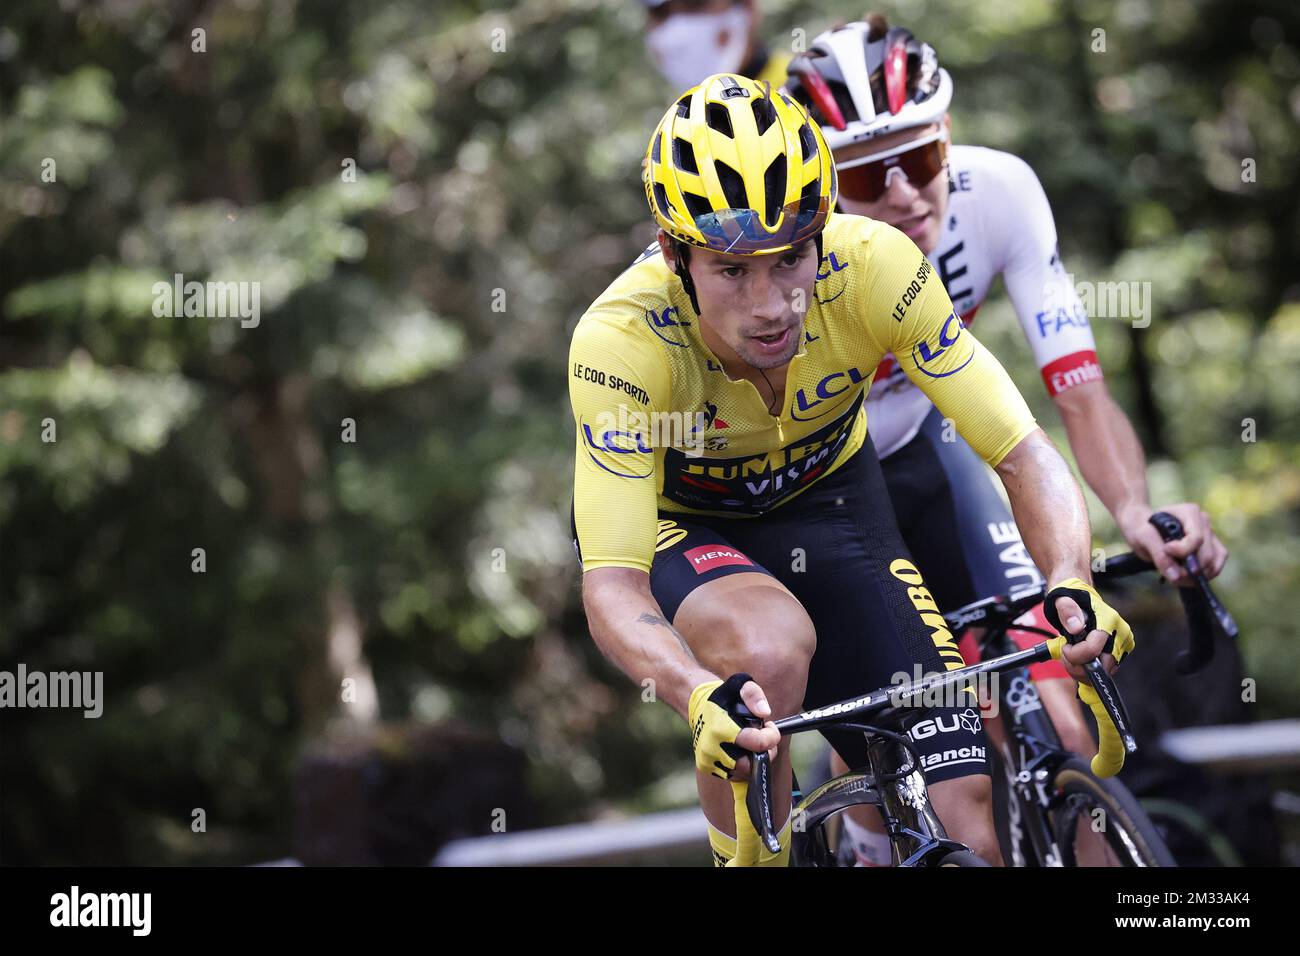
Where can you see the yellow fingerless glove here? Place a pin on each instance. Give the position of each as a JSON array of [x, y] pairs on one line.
[[1098, 615], [713, 729]]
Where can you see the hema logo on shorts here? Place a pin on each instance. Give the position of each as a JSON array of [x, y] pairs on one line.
[[709, 556]]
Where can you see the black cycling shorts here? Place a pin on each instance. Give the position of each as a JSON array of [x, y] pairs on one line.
[[957, 526], [833, 547], [960, 530]]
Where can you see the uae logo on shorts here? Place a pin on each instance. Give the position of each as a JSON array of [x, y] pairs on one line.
[[709, 556]]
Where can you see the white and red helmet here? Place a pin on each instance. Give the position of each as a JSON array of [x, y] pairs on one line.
[[863, 80]]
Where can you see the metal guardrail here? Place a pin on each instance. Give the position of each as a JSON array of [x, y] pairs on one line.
[[580, 843], [1237, 748], [1242, 748]]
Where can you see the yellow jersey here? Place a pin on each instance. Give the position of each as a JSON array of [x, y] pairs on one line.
[[661, 426]]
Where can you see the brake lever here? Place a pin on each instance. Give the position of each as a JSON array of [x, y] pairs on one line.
[[758, 799], [1105, 687], [1220, 612], [1107, 695], [1200, 613]]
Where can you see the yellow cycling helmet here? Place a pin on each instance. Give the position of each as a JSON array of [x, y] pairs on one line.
[[737, 167]]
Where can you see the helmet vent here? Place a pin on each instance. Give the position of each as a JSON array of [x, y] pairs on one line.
[[697, 204], [764, 114], [717, 117], [809, 199], [661, 200], [684, 156], [774, 187], [655, 150], [807, 141], [684, 107], [733, 186]]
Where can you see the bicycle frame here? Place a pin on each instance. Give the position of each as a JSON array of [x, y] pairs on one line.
[[893, 783], [1031, 753], [904, 804]]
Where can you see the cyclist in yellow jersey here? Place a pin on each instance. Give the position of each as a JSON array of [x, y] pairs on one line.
[[691, 39], [735, 533]]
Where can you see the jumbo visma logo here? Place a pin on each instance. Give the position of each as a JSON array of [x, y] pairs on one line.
[[949, 335], [905, 571], [819, 400], [615, 445]]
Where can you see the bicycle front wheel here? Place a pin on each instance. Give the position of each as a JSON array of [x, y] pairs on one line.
[[1097, 822]]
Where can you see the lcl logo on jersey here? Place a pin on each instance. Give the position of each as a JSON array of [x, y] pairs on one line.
[[949, 335], [828, 267], [666, 327], [833, 385], [617, 442], [832, 264]]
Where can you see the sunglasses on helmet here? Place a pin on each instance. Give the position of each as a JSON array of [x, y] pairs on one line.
[[866, 179], [742, 232]]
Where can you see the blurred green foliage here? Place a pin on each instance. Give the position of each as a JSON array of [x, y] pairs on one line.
[[428, 299]]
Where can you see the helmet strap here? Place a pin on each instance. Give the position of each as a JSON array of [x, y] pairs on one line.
[[681, 254]]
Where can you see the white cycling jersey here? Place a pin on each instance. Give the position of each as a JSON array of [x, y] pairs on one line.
[[998, 223]]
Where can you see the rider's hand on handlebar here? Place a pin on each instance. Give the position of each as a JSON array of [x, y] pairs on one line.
[[1198, 539], [719, 741], [1110, 639], [1075, 656]]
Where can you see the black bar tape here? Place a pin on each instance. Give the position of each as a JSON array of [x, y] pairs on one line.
[[1170, 528]]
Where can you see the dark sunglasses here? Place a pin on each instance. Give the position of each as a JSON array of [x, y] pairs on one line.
[[866, 180]]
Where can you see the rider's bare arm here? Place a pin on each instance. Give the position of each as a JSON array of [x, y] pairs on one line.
[[1048, 507], [630, 629], [1112, 462], [1114, 465]]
